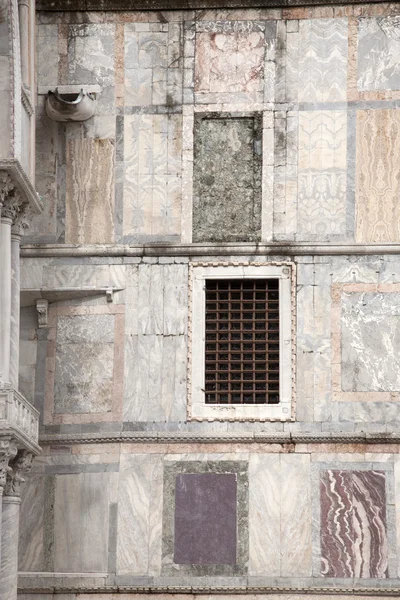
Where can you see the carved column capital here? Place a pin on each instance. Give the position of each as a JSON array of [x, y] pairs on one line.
[[21, 222], [6, 186], [12, 206], [19, 466], [7, 453]]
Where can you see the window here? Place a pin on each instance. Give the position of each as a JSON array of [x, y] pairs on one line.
[[241, 340]]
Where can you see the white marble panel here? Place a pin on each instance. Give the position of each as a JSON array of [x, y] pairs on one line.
[[139, 515], [264, 516], [295, 521]]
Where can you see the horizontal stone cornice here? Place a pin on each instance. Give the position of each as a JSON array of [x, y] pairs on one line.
[[236, 249], [127, 5]]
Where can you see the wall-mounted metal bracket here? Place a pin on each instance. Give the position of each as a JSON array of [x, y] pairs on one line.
[[71, 103]]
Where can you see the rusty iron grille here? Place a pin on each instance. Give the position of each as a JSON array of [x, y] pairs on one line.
[[242, 341]]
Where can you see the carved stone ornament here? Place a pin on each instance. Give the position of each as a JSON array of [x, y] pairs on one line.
[[42, 307], [18, 466], [7, 453], [21, 222], [6, 186], [12, 206]]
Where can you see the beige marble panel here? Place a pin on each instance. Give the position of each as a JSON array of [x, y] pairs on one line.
[[81, 518], [90, 191], [295, 521], [139, 515], [378, 176], [264, 516]]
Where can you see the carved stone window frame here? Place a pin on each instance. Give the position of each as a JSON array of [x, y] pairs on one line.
[[197, 409]]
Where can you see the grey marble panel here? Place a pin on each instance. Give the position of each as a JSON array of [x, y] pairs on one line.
[[81, 519], [378, 53], [370, 342]]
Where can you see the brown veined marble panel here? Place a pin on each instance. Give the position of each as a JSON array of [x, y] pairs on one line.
[[90, 192], [378, 176], [353, 524]]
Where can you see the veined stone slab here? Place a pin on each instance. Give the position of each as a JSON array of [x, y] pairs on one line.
[[370, 342], [353, 524], [378, 53], [322, 172], [90, 191], [378, 176], [322, 60]]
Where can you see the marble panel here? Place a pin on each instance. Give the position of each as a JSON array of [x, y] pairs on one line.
[[47, 55], [205, 519], [31, 551], [227, 192], [322, 173], [174, 476], [322, 60], [91, 59], [152, 176], [230, 60], [81, 519], [84, 364], [370, 342], [353, 524], [90, 191], [264, 514], [139, 515], [378, 51], [295, 517], [378, 176], [153, 73]]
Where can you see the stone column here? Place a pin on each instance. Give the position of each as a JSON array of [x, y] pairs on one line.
[[7, 452], [9, 211], [18, 227], [21, 464], [23, 15]]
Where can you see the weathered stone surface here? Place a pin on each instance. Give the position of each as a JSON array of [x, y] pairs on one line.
[[370, 342], [378, 51], [227, 178], [84, 364]]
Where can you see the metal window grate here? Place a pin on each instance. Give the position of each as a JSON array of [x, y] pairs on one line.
[[242, 341]]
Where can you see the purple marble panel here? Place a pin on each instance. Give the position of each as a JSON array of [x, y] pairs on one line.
[[205, 519], [353, 524]]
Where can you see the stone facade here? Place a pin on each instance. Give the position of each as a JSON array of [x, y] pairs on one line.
[[222, 136]]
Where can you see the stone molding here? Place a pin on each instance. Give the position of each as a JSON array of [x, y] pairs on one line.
[[126, 5], [388, 591], [223, 438], [290, 249], [17, 467]]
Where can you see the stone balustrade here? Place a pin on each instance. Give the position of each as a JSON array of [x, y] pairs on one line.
[[19, 419]]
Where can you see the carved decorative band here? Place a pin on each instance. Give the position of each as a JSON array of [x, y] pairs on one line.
[[337, 591], [232, 438]]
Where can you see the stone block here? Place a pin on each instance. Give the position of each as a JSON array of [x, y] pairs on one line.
[[378, 49]]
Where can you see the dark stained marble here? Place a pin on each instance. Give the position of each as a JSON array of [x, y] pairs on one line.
[[205, 519], [353, 524]]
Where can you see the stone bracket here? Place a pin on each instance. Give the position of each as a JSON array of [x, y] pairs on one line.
[[42, 307]]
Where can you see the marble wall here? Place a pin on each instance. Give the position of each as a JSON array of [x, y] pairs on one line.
[[125, 493], [322, 157]]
